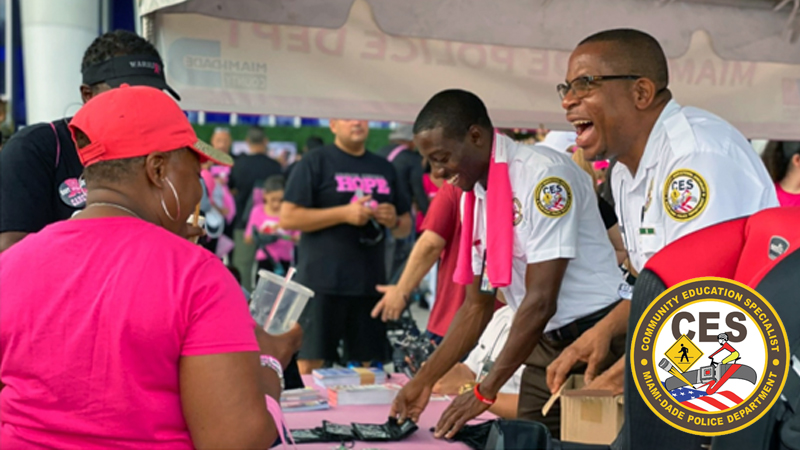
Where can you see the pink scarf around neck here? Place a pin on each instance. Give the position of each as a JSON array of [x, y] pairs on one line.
[[499, 224]]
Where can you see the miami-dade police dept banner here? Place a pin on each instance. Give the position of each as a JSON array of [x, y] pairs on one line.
[[358, 71]]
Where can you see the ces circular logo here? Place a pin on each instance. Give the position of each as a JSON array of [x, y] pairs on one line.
[[553, 197], [685, 195], [710, 356]]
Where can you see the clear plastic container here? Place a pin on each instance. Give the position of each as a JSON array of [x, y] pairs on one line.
[[277, 317]]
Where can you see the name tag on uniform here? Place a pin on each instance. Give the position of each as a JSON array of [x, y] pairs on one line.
[[486, 286]]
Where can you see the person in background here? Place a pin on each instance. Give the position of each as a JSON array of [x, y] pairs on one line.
[[606, 211], [463, 377], [170, 363], [408, 163], [343, 199], [578, 158], [782, 159], [311, 143], [439, 240], [431, 185], [249, 171], [221, 140], [39, 167], [600, 169], [264, 219], [562, 141], [220, 210]]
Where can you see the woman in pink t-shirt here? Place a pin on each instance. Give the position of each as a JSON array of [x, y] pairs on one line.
[[115, 330], [264, 218], [782, 159]]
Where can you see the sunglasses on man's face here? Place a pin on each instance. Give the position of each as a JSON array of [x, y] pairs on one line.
[[581, 86]]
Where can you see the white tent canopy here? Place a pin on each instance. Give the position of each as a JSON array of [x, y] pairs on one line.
[[382, 59]]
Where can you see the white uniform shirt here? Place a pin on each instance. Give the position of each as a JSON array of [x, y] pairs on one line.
[[555, 216], [696, 170], [489, 346]]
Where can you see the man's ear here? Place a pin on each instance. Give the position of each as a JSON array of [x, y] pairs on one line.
[[86, 93], [156, 168], [644, 93], [478, 136]]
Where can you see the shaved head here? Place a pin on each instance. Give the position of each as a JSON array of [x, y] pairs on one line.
[[633, 52]]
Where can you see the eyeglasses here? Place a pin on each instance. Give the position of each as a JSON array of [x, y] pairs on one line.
[[581, 86]]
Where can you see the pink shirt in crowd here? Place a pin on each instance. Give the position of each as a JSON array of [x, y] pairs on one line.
[[785, 198], [95, 316], [430, 189], [217, 177], [283, 249]]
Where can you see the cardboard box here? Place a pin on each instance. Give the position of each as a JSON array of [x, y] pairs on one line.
[[587, 417]]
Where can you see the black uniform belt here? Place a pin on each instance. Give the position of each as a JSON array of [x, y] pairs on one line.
[[573, 330]]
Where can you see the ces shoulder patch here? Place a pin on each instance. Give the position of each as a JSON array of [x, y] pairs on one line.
[[685, 195], [553, 197]]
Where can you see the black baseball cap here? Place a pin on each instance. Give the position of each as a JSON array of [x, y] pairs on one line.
[[135, 70]]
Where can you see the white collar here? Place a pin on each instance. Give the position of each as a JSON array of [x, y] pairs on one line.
[[650, 156]]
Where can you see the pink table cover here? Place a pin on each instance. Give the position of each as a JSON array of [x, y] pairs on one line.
[[421, 439]]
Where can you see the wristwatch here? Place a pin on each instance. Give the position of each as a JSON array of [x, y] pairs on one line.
[[274, 364]]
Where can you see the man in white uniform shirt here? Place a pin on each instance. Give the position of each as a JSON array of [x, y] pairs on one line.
[[563, 272], [463, 377], [680, 168]]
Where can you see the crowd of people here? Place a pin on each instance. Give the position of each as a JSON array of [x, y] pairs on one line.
[[142, 337]]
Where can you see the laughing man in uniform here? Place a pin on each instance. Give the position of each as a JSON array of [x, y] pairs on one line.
[[680, 168]]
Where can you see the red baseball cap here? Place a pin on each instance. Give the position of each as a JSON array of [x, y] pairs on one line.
[[131, 121]]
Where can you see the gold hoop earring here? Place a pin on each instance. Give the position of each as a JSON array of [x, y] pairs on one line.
[[177, 202]]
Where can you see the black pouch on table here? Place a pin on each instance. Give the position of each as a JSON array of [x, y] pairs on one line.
[[474, 436], [389, 431], [307, 435], [338, 433], [511, 434]]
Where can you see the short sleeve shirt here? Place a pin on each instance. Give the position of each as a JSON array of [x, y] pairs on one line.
[[39, 178], [555, 216], [334, 260], [108, 307], [697, 170], [444, 220], [490, 345]]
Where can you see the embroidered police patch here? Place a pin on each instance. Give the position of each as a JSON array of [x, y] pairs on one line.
[[553, 197], [685, 195], [517, 211]]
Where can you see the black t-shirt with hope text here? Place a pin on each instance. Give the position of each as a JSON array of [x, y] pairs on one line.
[[333, 260], [39, 178]]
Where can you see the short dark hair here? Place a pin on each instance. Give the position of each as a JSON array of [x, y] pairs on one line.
[[112, 171], [776, 157], [116, 43], [274, 183], [455, 111], [635, 53], [256, 135]]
